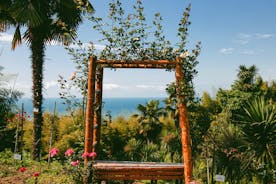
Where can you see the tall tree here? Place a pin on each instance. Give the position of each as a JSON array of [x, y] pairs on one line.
[[243, 89], [42, 21], [246, 78]]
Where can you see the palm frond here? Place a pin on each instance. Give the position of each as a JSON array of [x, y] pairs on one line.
[[16, 37], [6, 20], [31, 12], [257, 121]]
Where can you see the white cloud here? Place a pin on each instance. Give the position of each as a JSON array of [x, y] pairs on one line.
[[242, 42], [143, 86], [50, 84], [244, 38], [263, 36], [111, 86], [4, 37], [156, 87], [226, 50], [25, 87], [248, 52], [252, 52]]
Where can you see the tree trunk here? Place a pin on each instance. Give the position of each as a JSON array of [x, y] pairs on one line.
[[37, 48]]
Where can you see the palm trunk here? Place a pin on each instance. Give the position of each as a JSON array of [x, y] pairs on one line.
[[37, 47]]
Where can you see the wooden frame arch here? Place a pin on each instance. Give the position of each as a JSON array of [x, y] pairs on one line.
[[94, 102]]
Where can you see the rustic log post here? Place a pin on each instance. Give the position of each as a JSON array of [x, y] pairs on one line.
[[184, 125], [98, 110], [89, 113]]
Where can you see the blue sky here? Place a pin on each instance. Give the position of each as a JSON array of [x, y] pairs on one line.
[[232, 33]]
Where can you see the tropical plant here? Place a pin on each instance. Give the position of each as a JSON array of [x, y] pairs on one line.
[[149, 119], [43, 22], [246, 78], [222, 149], [243, 89], [257, 121], [171, 144]]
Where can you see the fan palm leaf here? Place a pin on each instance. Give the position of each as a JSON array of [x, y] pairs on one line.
[[257, 121]]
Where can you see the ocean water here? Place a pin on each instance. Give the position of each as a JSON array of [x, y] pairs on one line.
[[117, 106]]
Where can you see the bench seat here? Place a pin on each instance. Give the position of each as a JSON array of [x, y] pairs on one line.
[[126, 170]]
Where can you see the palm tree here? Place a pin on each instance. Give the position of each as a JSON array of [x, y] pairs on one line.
[[43, 21], [149, 119], [258, 124], [246, 78]]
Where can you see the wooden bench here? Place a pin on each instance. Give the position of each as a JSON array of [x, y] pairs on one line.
[[125, 170]]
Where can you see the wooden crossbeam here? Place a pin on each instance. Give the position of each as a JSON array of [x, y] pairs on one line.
[[158, 64]]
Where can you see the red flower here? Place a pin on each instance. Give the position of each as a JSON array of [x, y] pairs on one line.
[[92, 154], [85, 154], [9, 120], [36, 174], [22, 169], [75, 163], [53, 152], [69, 152]]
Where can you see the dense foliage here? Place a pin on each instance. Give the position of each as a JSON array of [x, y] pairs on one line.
[[8, 99]]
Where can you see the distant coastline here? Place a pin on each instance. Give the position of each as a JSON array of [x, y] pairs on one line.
[[116, 105]]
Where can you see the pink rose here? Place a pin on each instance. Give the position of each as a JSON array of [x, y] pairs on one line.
[[69, 152], [53, 152], [92, 154], [85, 154], [75, 163]]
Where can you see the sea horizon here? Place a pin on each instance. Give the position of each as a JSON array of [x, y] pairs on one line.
[[125, 106]]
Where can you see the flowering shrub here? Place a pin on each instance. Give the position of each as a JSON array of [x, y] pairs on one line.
[[72, 168], [92, 154], [17, 118], [53, 152], [75, 163]]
